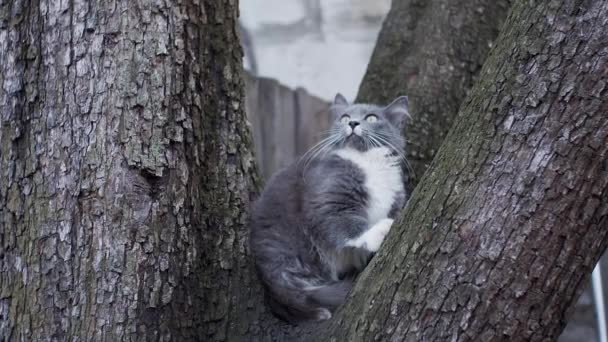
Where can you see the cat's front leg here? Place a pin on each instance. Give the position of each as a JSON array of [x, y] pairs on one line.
[[372, 238]]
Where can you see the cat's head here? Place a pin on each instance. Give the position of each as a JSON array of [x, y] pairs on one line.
[[364, 126]]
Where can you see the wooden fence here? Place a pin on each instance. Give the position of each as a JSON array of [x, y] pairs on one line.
[[285, 122]]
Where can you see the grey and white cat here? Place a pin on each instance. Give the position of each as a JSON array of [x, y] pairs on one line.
[[319, 221]]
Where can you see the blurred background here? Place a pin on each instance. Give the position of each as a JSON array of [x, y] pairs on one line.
[[298, 54], [323, 46]]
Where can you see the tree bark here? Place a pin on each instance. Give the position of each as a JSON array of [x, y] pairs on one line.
[[431, 50], [505, 227], [126, 172]]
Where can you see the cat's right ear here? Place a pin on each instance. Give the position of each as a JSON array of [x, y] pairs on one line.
[[338, 106], [398, 111], [340, 101]]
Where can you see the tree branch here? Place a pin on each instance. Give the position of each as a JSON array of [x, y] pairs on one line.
[[431, 51]]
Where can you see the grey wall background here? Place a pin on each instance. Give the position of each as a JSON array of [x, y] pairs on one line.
[[321, 45]]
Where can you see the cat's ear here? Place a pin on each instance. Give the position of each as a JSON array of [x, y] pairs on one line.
[[398, 111], [338, 106], [340, 101]]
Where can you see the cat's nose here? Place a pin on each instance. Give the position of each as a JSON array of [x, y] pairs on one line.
[[353, 124]]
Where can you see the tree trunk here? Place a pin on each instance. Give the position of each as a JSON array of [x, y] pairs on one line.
[[431, 50], [126, 172], [505, 227], [126, 175]]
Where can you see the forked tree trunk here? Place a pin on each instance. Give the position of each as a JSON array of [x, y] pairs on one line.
[[126, 175], [431, 50], [125, 172], [505, 227]]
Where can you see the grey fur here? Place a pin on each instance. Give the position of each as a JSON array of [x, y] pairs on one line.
[[310, 210]]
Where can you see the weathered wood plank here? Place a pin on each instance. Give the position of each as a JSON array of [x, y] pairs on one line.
[[312, 118], [285, 122]]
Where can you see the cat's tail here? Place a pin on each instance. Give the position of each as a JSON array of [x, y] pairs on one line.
[[308, 303], [330, 296]]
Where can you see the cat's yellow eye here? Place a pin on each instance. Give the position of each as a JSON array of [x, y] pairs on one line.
[[345, 119], [371, 118]]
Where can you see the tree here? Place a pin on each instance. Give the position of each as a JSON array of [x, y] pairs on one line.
[[505, 227], [126, 172], [431, 51], [126, 175]]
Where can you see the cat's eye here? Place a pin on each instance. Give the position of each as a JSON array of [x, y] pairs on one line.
[[345, 119], [371, 118]]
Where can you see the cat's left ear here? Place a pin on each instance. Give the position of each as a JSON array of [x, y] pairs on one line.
[[398, 111]]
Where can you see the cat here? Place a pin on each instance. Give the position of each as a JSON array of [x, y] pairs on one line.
[[319, 221]]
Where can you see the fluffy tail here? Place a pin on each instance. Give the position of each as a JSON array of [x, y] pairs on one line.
[[330, 296], [309, 303]]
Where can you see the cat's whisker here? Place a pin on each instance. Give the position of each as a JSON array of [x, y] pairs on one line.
[[328, 147], [312, 153], [389, 134], [398, 151], [320, 149], [319, 145], [329, 132], [367, 141], [391, 146], [380, 144], [386, 142], [381, 141], [374, 142], [398, 135]]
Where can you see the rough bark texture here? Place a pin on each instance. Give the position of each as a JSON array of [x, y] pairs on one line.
[[431, 50], [126, 172], [505, 227]]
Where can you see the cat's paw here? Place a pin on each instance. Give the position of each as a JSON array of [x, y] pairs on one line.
[[377, 233], [323, 314], [373, 237]]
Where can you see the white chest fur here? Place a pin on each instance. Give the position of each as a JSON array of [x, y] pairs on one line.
[[382, 179]]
